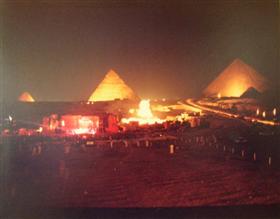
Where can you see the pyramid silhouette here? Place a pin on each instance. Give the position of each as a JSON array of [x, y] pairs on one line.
[[251, 93], [26, 97], [235, 80], [112, 87]]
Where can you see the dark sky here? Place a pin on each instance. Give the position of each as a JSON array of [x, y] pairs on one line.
[[61, 51]]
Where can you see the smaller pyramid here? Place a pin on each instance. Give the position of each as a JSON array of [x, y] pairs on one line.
[[235, 80], [112, 87], [251, 93], [26, 97]]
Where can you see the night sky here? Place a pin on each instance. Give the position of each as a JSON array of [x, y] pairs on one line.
[[61, 51]]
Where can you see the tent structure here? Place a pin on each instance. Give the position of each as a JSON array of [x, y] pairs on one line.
[[112, 87], [26, 97], [235, 80]]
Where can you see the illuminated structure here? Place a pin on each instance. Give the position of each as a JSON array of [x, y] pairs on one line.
[[74, 124], [77, 124], [112, 87], [235, 80], [144, 115], [26, 97], [144, 110]]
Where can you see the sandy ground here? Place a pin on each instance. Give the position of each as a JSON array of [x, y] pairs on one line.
[[141, 177], [132, 176]]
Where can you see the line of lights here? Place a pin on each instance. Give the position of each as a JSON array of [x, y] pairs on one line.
[[247, 118]]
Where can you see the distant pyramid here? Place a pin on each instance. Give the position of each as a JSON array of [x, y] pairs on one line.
[[251, 93], [112, 87], [26, 97], [235, 80]]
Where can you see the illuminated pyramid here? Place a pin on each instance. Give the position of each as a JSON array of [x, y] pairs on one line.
[[235, 80], [26, 97], [112, 87]]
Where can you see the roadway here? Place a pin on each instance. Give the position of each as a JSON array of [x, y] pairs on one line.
[[222, 113]]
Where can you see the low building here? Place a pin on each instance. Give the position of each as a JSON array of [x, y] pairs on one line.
[[80, 124]]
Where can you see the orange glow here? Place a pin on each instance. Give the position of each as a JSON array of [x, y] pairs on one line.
[[131, 111], [187, 107], [263, 114], [86, 126], [144, 110], [258, 112], [144, 115], [26, 97], [161, 108], [85, 122], [77, 124], [219, 95], [236, 90], [40, 129], [274, 112], [236, 79], [80, 131], [112, 87], [171, 149]]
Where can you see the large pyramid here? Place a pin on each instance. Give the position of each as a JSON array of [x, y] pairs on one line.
[[235, 80], [112, 87], [26, 97]]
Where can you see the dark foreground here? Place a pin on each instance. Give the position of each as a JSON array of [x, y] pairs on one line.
[[198, 179], [146, 178]]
